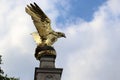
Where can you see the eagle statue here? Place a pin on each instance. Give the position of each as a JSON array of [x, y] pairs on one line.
[[45, 35]]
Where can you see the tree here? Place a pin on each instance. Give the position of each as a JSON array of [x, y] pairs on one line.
[[5, 77], [1, 71]]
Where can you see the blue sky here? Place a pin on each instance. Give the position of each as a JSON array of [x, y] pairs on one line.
[[83, 9], [90, 51]]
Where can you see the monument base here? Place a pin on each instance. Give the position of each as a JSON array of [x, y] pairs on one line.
[[48, 73]]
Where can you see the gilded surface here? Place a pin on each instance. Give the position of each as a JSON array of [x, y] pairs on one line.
[[45, 35]]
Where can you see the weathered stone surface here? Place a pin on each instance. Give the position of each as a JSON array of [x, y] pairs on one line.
[[48, 73], [47, 62]]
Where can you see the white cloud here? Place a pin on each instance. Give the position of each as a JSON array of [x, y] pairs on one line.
[[17, 46], [113, 5], [95, 53], [90, 51]]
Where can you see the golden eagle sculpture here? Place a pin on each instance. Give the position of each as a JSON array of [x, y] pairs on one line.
[[45, 35]]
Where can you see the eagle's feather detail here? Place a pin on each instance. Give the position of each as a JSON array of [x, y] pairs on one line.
[[36, 38], [45, 35]]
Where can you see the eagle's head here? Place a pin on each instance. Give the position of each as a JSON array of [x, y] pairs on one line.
[[60, 34]]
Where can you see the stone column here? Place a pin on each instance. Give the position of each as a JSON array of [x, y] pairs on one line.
[[47, 70]]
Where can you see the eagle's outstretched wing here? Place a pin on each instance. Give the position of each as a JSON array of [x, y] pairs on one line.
[[45, 35], [41, 21], [36, 38]]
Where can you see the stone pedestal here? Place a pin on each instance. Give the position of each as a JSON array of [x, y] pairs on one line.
[[47, 70], [48, 73], [47, 62]]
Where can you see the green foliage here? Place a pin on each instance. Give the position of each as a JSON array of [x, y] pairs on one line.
[[2, 77], [7, 78]]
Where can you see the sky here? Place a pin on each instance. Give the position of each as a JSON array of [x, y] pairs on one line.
[[90, 51]]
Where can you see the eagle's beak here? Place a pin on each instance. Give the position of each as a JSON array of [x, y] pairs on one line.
[[64, 36]]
